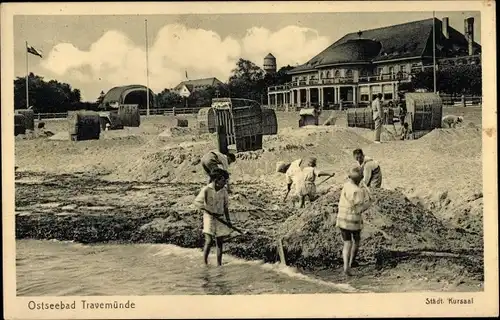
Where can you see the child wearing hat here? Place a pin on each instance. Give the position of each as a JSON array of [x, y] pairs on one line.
[[355, 198], [213, 201]]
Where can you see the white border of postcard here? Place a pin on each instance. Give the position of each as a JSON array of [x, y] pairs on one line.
[[258, 306]]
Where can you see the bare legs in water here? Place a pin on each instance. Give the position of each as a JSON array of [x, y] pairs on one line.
[[208, 245]]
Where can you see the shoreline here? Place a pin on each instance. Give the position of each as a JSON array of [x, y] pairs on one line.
[[75, 215]]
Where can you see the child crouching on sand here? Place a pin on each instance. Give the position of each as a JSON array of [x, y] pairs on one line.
[[306, 181], [213, 201], [355, 198]]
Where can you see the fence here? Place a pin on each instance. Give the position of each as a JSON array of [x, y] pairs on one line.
[[448, 101], [143, 112], [461, 100]]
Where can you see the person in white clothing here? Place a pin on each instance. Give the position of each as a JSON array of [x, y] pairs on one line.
[[451, 121], [377, 116], [306, 181]]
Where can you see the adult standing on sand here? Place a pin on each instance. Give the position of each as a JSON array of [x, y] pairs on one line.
[[372, 174], [377, 114], [213, 201], [354, 200], [215, 159]]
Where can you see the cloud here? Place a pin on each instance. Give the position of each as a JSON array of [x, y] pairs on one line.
[[175, 49], [291, 45]]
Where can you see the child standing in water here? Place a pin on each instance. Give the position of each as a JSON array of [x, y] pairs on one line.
[[213, 201]]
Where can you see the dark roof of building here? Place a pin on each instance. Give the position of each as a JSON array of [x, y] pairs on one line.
[[407, 40], [193, 84], [269, 56], [118, 94]]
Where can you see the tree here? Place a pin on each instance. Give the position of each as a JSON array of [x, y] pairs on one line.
[[461, 79], [247, 71], [51, 96], [169, 99]]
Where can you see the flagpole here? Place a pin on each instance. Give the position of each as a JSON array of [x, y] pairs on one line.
[[27, 76], [434, 48], [147, 68]]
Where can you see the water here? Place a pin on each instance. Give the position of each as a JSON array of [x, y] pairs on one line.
[[55, 268]]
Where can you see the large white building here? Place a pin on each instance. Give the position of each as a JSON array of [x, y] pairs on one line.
[[359, 65]]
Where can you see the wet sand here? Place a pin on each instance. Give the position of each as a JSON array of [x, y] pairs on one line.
[[139, 188]]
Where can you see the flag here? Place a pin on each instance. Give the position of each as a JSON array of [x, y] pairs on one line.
[[187, 75], [33, 51]]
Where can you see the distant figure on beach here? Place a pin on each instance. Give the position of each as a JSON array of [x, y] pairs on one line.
[[354, 200], [451, 121], [306, 181], [213, 202], [216, 159], [402, 112], [372, 174], [390, 105], [405, 132], [376, 111]]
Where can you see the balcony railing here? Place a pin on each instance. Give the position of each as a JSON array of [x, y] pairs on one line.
[[341, 80]]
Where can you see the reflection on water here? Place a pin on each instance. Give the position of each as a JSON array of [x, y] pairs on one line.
[[62, 269]]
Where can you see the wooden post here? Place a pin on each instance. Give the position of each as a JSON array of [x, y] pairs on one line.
[[281, 252]]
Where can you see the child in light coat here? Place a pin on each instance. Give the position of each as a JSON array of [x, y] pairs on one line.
[[355, 198]]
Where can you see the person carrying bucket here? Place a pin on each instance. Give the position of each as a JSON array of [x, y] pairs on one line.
[[355, 199], [215, 159], [213, 202]]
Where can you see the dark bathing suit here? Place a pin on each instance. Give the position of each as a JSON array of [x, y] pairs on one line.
[[348, 235]]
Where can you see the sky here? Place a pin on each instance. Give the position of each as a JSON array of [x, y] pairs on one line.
[[96, 53]]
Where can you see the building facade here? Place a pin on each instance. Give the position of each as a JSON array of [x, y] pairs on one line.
[[360, 65], [186, 88]]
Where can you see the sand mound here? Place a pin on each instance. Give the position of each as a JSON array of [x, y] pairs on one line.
[[459, 142], [60, 136], [178, 131], [452, 135], [393, 222], [30, 135]]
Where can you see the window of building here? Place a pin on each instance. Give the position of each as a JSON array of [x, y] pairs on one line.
[[380, 70], [391, 70], [337, 74], [402, 68], [327, 74], [387, 96], [365, 97], [348, 73]]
